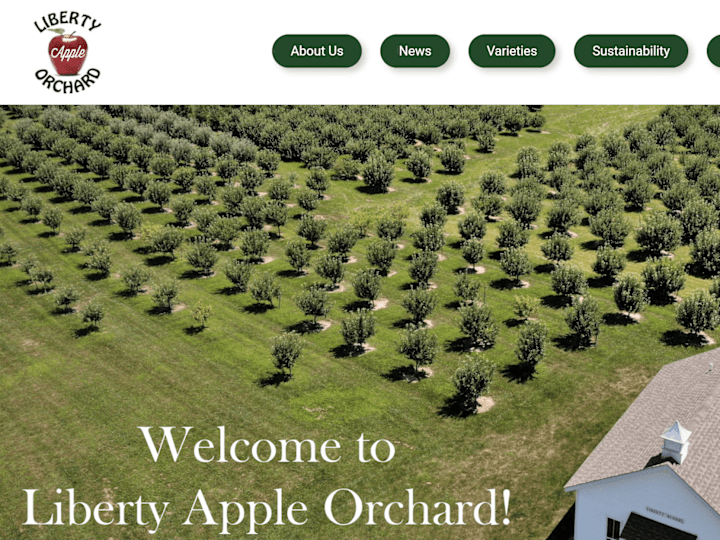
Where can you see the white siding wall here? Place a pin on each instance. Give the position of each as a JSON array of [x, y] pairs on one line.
[[658, 488]]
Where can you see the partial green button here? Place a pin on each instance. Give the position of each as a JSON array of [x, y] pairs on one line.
[[714, 50], [631, 51], [512, 51], [317, 51], [422, 50]]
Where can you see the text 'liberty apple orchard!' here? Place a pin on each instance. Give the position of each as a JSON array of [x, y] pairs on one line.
[[342, 507]]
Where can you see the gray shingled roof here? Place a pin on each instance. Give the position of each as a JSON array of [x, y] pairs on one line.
[[684, 391]]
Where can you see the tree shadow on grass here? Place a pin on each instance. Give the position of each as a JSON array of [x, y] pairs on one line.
[[37, 291], [513, 323], [228, 291], [600, 282], [157, 310], [453, 408], [568, 342], [455, 304], [153, 210], [591, 245], [159, 260], [258, 308], [698, 271], [519, 373], [85, 331], [192, 274], [618, 319], [290, 273], [495, 255], [47, 234], [347, 351], [143, 250], [82, 209], [125, 293], [102, 222], [556, 301], [273, 379], [12, 209], [367, 190], [193, 330], [43, 189], [357, 304], [678, 338], [638, 255], [461, 344], [413, 180], [30, 221], [119, 236], [505, 284], [96, 276], [404, 373], [661, 299], [544, 268], [133, 199], [403, 323], [304, 327]]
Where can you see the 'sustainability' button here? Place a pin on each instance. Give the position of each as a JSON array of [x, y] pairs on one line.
[[714, 50], [631, 51], [512, 51], [317, 50], [424, 51]]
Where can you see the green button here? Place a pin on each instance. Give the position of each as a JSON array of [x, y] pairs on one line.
[[714, 50], [415, 51], [631, 51], [317, 51], [512, 51]]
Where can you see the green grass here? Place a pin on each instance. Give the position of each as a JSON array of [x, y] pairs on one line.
[[71, 401]]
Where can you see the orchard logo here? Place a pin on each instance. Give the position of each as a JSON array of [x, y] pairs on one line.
[[68, 51]]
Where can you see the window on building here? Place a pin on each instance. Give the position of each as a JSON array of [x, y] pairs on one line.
[[613, 529]]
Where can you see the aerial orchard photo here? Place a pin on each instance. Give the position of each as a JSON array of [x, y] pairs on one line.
[[478, 292]]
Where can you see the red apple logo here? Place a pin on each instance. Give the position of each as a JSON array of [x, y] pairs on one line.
[[67, 52]]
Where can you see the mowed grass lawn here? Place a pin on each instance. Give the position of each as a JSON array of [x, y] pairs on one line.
[[71, 401]]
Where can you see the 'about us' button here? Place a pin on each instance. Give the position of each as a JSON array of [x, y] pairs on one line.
[[631, 51], [317, 50], [423, 50]]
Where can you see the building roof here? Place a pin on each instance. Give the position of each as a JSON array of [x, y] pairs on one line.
[[642, 528], [686, 391]]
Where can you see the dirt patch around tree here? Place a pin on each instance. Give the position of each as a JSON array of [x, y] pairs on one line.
[[441, 257], [428, 323], [476, 270], [708, 339], [380, 303], [524, 285], [179, 307], [266, 260], [338, 288], [485, 403], [324, 325], [352, 260], [391, 273]]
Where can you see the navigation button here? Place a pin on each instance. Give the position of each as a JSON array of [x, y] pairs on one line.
[[423, 51], [317, 51], [713, 50], [512, 51], [631, 51]]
